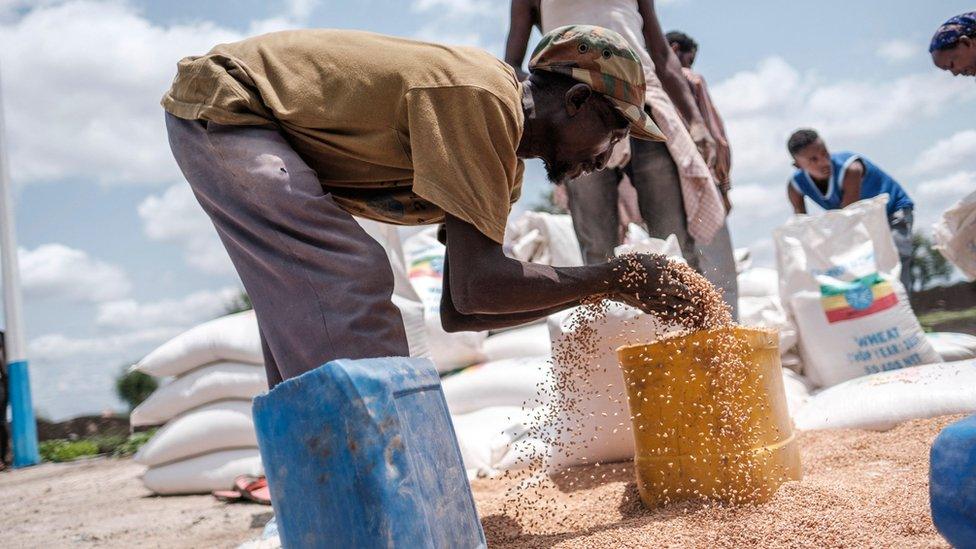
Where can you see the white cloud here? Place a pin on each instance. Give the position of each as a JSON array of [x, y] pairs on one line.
[[128, 314], [86, 103], [59, 347], [956, 151], [897, 51], [954, 184], [175, 216], [756, 201], [55, 271], [76, 375], [463, 22], [762, 106], [938, 194]]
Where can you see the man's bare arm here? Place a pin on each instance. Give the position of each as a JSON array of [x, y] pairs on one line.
[[485, 289], [668, 70], [523, 17], [796, 200], [453, 321], [852, 184], [483, 280]]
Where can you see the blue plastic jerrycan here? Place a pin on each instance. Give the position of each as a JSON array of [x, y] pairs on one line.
[[952, 483], [362, 453]]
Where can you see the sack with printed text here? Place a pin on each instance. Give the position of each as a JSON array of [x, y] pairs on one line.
[[839, 281]]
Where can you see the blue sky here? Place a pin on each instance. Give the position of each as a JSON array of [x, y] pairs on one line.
[[116, 256]]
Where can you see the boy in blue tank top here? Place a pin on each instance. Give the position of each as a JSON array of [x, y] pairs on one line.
[[835, 181]]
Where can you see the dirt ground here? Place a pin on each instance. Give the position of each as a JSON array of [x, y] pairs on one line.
[[860, 489], [102, 503]]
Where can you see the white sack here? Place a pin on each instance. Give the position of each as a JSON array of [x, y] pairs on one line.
[[668, 247], [414, 324], [482, 439], [952, 346], [218, 381], [839, 283], [232, 338], [425, 268], [768, 312], [955, 235], [203, 474], [881, 401], [797, 390], [218, 426], [526, 341], [512, 382], [597, 429], [544, 238], [758, 282]]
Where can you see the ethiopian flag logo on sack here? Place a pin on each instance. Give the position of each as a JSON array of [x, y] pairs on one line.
[[862, 297]]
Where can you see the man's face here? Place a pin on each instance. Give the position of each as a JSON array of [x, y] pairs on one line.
[[583, 141], [814, 159]]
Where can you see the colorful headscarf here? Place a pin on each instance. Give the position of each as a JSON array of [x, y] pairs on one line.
[[952, 30]]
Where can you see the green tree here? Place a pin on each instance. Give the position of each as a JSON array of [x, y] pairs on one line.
[[133, 387], [928, 265], [239, 304]]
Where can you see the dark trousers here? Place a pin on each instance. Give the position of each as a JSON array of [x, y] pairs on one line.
[[319, 284]]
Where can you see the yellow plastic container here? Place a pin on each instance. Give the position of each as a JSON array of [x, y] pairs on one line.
[[706, 426]]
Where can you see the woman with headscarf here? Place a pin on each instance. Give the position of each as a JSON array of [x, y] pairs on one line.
[[953, 46]]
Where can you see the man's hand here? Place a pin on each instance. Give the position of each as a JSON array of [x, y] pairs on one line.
[[706, 145], [723, 168], [724, 189], [645, 281]]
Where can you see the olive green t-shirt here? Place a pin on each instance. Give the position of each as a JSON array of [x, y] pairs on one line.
[[398, 131]]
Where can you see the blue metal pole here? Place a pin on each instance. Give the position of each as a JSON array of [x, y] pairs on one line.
[[24, 432], [24, 428]]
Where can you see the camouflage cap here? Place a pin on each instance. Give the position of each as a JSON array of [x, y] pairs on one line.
[[605, 61]]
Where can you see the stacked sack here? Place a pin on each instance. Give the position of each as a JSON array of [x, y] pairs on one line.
[[208, 438]]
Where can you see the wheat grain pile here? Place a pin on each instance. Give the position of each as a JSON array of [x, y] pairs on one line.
[[860, 489]]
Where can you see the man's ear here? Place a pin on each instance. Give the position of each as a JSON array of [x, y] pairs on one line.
[[675, 48], [966, 41], [576, 97]]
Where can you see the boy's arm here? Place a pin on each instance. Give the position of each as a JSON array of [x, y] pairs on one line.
[[668, 70], [520, 27], [852, 184], [796, 200]]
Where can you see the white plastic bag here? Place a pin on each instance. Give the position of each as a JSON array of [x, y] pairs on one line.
[[221, 425], [203, 474], [526, 341], [758, 282], [955, 235], [543, 238], [512, 382], [233, 338], [218, 381], [481, 438], [839, 281], [667, 247], [797, 390], [952, 346], [425, 268], [768, 312], [881, 401]]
